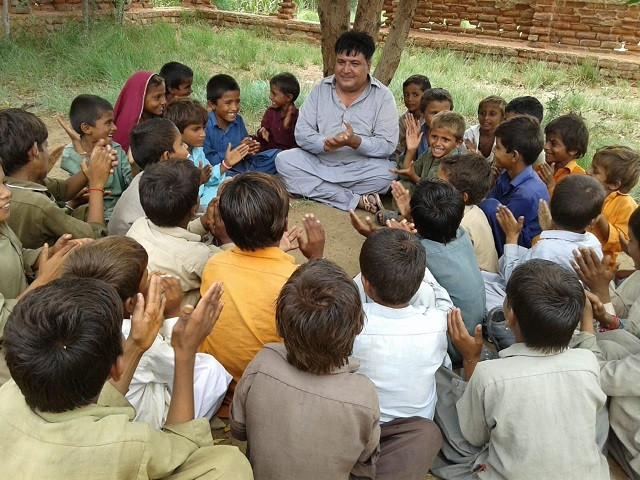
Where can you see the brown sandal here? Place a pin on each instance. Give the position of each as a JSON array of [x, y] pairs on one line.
[[369, 206]]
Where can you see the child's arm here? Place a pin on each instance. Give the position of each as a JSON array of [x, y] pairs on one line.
[[609, 228], [192, 328], [313, 247], [413, 138], [146, 321], [291, 117], [98, 172], [234, 156]]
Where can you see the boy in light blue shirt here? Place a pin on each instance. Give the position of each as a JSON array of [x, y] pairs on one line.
[[226, 131]]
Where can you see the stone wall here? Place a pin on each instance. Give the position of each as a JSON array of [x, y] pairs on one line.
[[596, 25]]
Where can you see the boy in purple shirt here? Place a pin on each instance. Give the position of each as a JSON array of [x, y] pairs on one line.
[[519, 141], [226, 130], [279, 121]]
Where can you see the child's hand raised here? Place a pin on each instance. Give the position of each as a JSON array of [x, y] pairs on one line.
[[194, 324], [544, 215], [235, 156], [404, 224], [103, 161], [408, 172], [403, 199], [413, 132], [593, 272], [173, 294], [469, 347], [73, 135], [148, 315], [254, 145], [205, 172], [365, 228], [313, 247], [471, 146], [586, 321], [598, 311], [545, 172], [289, 239], [510, 226], [264, 133], [288, 116]]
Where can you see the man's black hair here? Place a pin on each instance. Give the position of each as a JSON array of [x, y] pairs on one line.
[[354, 42]]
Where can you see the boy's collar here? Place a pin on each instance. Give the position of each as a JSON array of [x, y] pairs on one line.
[[521, 350]]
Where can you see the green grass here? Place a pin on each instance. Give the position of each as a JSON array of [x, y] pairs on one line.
[[50, 69]]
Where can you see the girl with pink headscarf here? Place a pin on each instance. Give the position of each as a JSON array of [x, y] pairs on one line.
[[141, 98]]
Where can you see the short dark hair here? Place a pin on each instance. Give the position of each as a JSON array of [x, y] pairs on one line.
[[420, 80], [149, 140], [175, 73], [435, 95], [526, 105], [620, 164], [572, 131], [523, 134], [548, 301], [453, 122], [576, 201], [354, 42], [154, 81], [169, 190], [318, 315], [117, 260], [62, 340], [87, 109], [492, 100], [19, 130], [184, 111], [287, 83], [220, 84], [634, 223], [396, 275], [254, 208], [470, 173], [437, 209]]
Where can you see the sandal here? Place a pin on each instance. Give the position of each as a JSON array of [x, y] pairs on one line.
[[385, 215], [369, 206]]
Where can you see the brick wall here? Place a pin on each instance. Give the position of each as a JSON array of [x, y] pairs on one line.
[[597, 25]]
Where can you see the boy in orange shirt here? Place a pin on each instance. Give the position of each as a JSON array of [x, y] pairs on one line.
[[617, 168], [566, 139], [254, 209]]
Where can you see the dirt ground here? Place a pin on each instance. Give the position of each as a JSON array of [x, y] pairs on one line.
[[342, 246]]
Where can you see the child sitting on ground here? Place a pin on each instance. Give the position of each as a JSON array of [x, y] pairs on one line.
[[445, 136], [619, 308], [169, 198], [532, 412], [566, 139], [191, 117], [470, 173], [226, 127], [178, 79], [433, 101], [142, 98], [481, 138], [574, 208], [36, 217], [254, 209], [291, 392], [617, 168], [519, 141], [91, 119], [406, 311], [59, 417], [151, 142], [150, 390], [279, 121], [412, 90]]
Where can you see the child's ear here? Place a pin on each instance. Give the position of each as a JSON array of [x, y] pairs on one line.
[[130, 304], [613, 186], [289, 97], [211, 106], [33, 152], [592, 223], [165, 156], [465, 197], [86, 128], [573, 153], [368, 290], [117, 369], [459, 142]]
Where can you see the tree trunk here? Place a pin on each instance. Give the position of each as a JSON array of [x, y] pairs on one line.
[[5, 17], [368, 17], [85, 14], [393, 46], [334, 21]]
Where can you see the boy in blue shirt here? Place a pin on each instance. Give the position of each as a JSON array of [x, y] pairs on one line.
[[519, 141], [191, 118], [226, 130]]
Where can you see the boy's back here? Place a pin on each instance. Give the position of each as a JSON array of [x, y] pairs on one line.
[[541, 404], [325, 421], [66, 445]]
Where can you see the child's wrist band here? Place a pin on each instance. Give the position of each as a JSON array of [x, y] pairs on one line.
[[96, 189], [224, 164]]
